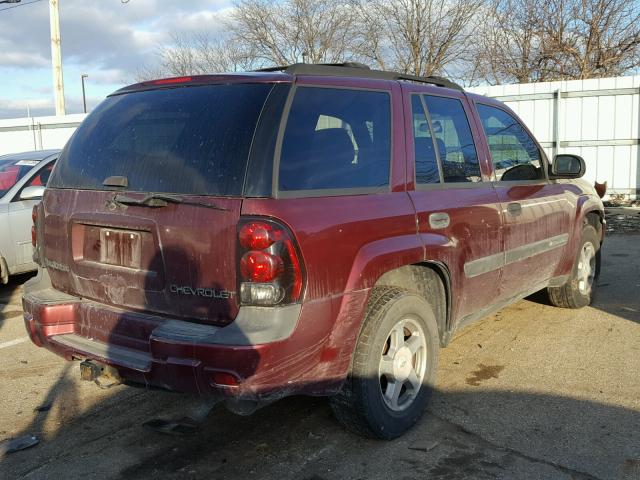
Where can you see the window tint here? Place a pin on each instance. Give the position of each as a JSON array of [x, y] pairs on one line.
[[453, 139], [514, 154], [192, 140], [426, 161], [12, 170], [41, 178], [336, 138]]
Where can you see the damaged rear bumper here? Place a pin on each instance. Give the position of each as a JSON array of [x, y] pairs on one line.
[[247, 359]]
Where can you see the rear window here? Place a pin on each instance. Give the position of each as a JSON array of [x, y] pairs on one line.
[[336, 139], [190, 140]]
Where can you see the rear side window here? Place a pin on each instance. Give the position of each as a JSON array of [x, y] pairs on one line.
[[336, 139], [425, 152], [453, 139], [190, 140], [514, 154]]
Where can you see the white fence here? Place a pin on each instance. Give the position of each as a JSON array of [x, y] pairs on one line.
[[37, 133], [598, 119]]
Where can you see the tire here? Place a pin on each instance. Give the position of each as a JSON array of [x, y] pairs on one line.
[[410, 372], [579, 289]]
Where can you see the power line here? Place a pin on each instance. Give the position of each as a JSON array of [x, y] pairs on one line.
[[19, 5]]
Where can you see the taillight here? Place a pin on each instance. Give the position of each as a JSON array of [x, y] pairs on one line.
[[269, 264], [258, 266], [34, 231]]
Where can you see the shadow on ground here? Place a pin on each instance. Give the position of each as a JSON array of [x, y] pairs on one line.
[[484, 434], [618, 288], [8, 294]]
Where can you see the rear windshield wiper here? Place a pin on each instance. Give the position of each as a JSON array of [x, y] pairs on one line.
[[157, 200]]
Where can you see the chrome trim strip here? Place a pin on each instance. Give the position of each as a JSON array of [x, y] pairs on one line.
[[498, 260], [484, 265], [535, 248]]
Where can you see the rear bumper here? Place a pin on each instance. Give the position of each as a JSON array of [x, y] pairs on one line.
[[255, 350]]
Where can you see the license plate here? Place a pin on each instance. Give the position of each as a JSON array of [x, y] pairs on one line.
[[120, 247]]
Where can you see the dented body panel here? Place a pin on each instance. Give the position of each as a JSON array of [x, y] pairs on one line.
[[155, 292]]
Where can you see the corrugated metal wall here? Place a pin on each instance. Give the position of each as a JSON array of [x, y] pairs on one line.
[[37, 133], [598, 119]]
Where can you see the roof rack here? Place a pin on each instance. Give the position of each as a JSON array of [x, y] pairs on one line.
[[355, 69]]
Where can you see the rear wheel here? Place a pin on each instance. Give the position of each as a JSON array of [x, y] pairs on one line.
[[579, 289], [394, 366]]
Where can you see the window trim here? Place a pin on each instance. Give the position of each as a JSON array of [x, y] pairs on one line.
[[543, 156], [443, 184], [425, 111], [31, 175], [326, 192]]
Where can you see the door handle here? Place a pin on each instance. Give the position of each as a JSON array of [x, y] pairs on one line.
[[514, 208], [439, 220]]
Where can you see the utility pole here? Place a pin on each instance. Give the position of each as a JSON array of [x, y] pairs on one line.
[[56, 56], [84, 97]]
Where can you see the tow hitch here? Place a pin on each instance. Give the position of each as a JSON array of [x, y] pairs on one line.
[[104, 376]]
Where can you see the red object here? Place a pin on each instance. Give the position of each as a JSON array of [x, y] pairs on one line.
[[257, 266], [224, 379], [331, 252], [169, 81], [258, 235], [34, 219]]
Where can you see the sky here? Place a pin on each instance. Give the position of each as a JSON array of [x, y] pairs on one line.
[[108, 40]]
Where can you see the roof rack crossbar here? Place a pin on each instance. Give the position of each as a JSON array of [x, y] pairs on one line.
[[354, 69]]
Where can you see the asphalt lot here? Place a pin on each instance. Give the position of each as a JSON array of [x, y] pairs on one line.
[[533, 392]]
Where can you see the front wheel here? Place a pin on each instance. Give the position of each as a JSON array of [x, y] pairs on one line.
[[579, 289], [394, 366]]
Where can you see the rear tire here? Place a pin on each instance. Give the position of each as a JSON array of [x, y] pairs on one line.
[[579, 289], [394, 366]]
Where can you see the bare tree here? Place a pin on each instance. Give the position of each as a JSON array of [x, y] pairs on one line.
[[599, 38], [421, 37], [292, 31], [197, 54], [543, 40]]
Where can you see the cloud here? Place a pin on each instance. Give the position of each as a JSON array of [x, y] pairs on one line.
[[108, 40], [22, 60]]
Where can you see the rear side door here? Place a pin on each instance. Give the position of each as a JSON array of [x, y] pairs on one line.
[[536, 213], [458, 211]]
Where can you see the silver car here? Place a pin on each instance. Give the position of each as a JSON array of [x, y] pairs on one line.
[[23, 177]]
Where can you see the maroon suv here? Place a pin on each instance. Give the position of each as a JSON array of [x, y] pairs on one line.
[[315, 229]]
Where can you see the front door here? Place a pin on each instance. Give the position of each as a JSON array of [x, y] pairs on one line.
[[20, 223], [535, 216]]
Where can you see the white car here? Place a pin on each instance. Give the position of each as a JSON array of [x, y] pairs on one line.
[[23, 177]]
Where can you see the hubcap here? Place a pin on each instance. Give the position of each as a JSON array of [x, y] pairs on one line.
[[586, 268], [403, 364]]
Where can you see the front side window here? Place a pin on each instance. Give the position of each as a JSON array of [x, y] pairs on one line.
[[336, 139], [514, 154], [454, 140]]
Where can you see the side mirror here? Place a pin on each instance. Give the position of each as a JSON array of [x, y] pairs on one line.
[[32, 193], [566, 165]]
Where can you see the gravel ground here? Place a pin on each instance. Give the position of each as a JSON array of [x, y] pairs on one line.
[[533, 392], [623, 219]]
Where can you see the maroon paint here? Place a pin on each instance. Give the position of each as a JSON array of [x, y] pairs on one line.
[[346, 243]]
